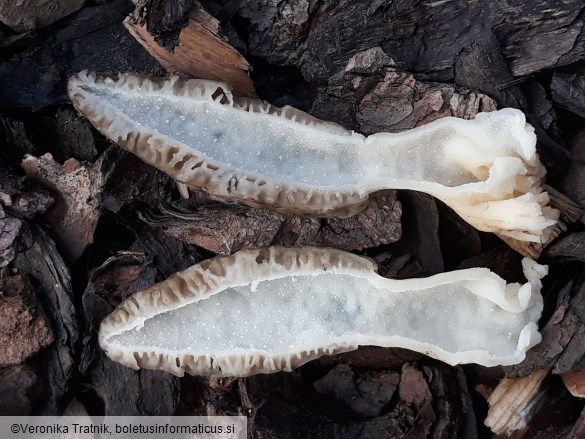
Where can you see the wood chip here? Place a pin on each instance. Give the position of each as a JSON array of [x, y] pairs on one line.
[[201, 52], [75, 212], [227, 228], [25, 327], [575, 382], [514, 402]]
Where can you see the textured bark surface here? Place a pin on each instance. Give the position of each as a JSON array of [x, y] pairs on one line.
[[225, 229], [18, 390], [418, 37], [370, 95], [28, 15], [37, 256], [34, 73], [568, 89], [25, 327], [369, 65]]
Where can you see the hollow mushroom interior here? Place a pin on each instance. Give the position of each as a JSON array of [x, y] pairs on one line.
[[300, 313]]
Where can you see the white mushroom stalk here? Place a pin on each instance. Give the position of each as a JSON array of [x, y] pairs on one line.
[[273, 309], [196, 131]]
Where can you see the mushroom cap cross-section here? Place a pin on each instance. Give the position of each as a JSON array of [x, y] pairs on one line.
[[199, 133], [273, 309]]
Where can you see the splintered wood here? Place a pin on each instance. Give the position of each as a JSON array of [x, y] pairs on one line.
[[201, 53], [514, 402]]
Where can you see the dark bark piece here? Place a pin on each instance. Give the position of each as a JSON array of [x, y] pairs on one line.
[[578, 430], [128, 179], [277, 30], [93, 38], [420, 237], [540, 104], [366, 393], [225, 229], [17, 390], [195, 392], [573, 356], [482, 66], [459, 239], [399, 103], [303, 412], [58, 130], [199, 51], [441, 397], [126, 392], [452, 402], [122, 390], [557, 39], [165, 19], [371, 357], [37, 256], [369, 95], [15, 140], [276, 418], [572, 184], [168, 254], [415, 35], [568, 248], [28, 15], [9, 229], [397, 27], [568, 89], [401, 267], [25, 327], [431, 401], [221, 229], [378, 224], [414, 390], [551, 433], [73, 136], [22, 197]]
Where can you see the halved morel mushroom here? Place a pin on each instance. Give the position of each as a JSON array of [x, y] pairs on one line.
[[196, 131], [273, 309]]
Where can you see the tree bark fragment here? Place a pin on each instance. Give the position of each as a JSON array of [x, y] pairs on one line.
[[199, 53]]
